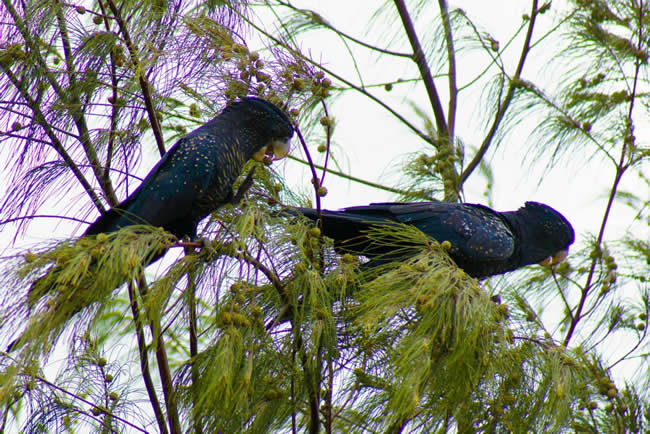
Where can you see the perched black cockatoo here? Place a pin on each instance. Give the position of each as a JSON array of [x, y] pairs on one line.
[[196, 175], [194, 178], [483, 242]]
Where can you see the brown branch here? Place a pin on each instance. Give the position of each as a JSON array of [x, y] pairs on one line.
[[451, 57], [70, 98], [142, 77], [194, 345], [329, 420], [144, 361], [163, 368], [498, 117], [114, 86], [39, 117], [314, 176], [421, 61], [46, 216], [308, 13], [348, 83]]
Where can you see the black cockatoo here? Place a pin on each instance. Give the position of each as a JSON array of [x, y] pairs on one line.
[[194, 178], [196, 175], [483, 242]]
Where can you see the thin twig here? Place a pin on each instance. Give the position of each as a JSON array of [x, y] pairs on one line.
[[85, 401], [328, 142], [348, 83], [142, 78], [77, 112], [325, 24], [420, 59], [498, 117], [620, 170], [163, 368], [314, 176], [27, 217], [39, 118], [351, 178], [451, 57]]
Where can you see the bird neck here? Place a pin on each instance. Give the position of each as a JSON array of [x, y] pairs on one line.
[[513, 220]]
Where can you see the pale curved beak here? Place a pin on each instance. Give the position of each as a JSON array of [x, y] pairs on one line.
[[274, 150], [555, 258]]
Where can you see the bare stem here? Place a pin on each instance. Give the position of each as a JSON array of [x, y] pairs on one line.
[[314, 178], [451, 58], [351, 178], [142, 77], [421, 61], [498, 117], [194, 346], [144, 361], [163, 368]]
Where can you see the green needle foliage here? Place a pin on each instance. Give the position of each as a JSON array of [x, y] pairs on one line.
[[261, 325]]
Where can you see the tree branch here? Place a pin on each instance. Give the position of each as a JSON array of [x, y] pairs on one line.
[[351, 85], [321, 22], [451, 57], [144, 361], [621, 167], [421, 61], [350, 177], [39, 118], [498, 117], [142, 78], [163, 368], [194, 345], [70, 98], [85, 401]]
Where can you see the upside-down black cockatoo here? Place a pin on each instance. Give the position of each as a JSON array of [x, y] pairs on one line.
[[196, 175], [483, 242]]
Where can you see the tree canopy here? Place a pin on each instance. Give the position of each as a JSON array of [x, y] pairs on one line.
[[261, 325]]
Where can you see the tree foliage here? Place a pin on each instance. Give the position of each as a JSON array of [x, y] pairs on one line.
[[262, 326]]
